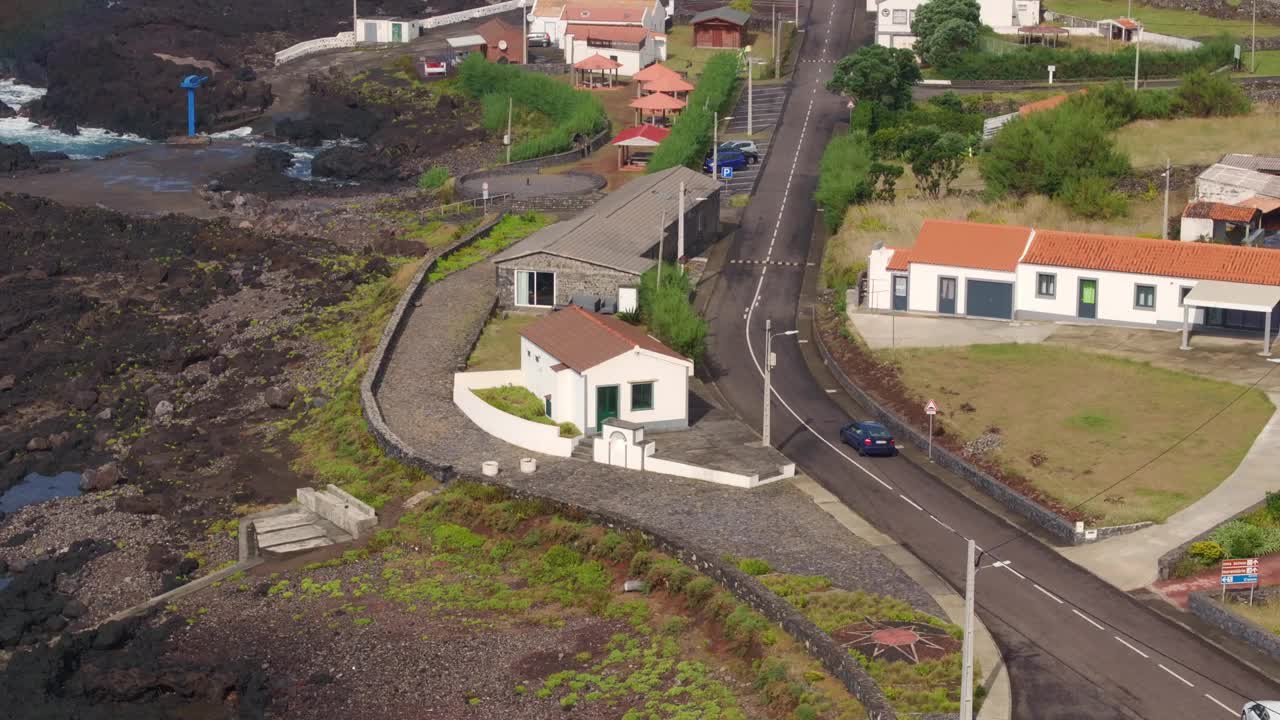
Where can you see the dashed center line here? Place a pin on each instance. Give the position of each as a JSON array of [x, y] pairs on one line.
[[1087, 619], [1126, 644], [1184, 680], [1051, 596]]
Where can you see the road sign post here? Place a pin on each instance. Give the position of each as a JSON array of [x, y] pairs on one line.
[[484, 192], [1243, 571], [931, 409], [726, 173]]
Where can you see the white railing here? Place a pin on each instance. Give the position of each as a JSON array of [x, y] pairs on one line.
[[1173, 41], [307, 47], [473, 14], [991, 126], [517, 431]]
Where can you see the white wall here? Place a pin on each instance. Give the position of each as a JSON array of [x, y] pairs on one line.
[[1004, 16], [408, 29], [879, 280], [670, 378], [1115, 295], [555, 26], [632, 61], [1195, 229], [922, 288], [1219, 192], [537, 375], [505, 426]]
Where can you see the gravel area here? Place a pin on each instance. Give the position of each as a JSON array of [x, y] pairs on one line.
[[776, 522]]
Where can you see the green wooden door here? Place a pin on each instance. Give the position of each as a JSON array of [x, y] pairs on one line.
[[606, 404], [395, 32]]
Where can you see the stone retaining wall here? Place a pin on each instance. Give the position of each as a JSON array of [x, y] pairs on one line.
[[744, 587], [567, 156], [1169, 560], [598, 182], [1059, 527], [1206, 607]]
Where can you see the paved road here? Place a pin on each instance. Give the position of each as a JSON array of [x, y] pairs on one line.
[[1075, 646]]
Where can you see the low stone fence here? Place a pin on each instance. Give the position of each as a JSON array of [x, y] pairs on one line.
[[308, 47], [1168, 561], [1059, 527], [597, 182], [577, 153], [472, 14], [744, 587], [1207, 607], [548, 68]]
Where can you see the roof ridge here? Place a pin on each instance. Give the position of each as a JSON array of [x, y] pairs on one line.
[[599, 321]]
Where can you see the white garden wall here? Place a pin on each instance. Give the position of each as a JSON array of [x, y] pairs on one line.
[[523, 433]]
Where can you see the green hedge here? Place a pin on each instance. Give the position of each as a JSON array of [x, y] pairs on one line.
[[843, 176], [690, 136], [573, 112], [1030, 63]]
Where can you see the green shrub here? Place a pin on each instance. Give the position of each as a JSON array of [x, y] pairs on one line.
[[569, 430], [691, 133], [516, 400], [573, 113], [699, 590], [1273, 505], [1240, 539], [679, 577], [843, 177], [1075, 64], [669, 313], [1206, 552], [1202, 94], [433, 178], [448, 536], [641, 562], [1092, 197], [754, 566], [508, 230], [1042, 152]]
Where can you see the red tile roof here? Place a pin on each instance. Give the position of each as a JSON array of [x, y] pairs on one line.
[[583, 340], [595, 13], [1220, 211], [966, 244], [654, 72], [1126, 23], [1200, 261], [900, 260], [597, 62], [612, 33], [1262, 202], [641, 136]]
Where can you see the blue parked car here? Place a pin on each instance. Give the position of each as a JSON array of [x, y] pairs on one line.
[[868, 438], [726, 159]]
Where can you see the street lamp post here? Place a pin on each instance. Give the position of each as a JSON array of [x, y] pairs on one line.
[[966, 647], [524, 26], [769, 335], [1137, 55]]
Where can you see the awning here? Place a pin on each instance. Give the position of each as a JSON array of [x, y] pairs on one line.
[[465, 41], [1233, 296]]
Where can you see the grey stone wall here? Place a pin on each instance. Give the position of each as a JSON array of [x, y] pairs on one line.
[[1169, 560], [1206, 607], [744, 587], [568, 156], [573, 277]]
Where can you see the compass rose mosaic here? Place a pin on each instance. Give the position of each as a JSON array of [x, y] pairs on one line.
[[911, 642]]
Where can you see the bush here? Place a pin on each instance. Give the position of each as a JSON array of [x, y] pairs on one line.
[[754, 566], [843, 177], [574, 113], [510, 229], [1273, 506], [878, 74], [1240, 539], [1202, 94], [1206, 552], [690, 136], [1029, 63], [698, 591], [1040, 153], [569, 430], [669, 313], [516, 400], [1092, 197], [433, 178]]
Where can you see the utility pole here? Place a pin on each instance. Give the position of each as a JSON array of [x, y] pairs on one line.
[[1253, 52], [1137, 55], [680, 226], [966, 661], [768, 384], [355, 21], [777, 41], [662, 235], [715, 144], [1164, 228], [524, 26], [750, 104], [508, 138], [797, 15]]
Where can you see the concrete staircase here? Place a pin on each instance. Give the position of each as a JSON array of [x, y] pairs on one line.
[[583, 450], [320, 518]]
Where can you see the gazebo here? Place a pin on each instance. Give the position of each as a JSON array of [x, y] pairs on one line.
[[654, 72], [653, 103], [596, 64], [1029, 33], [642, 136], [672, 85]]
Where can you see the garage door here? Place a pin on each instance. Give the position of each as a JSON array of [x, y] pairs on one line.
[[984, 298]]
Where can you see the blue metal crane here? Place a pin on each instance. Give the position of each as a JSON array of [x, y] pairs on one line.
[[190, 83]]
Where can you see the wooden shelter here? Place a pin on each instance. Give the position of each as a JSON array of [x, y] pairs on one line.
[[653, 72], [654, 103], [672, 85], [584, 71], [646, 137], [1041, 33], [722, 27]]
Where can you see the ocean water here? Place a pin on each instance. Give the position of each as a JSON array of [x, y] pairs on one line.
[[90, 143], [36, 488]]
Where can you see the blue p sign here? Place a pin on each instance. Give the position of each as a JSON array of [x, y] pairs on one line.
[[726, 172]]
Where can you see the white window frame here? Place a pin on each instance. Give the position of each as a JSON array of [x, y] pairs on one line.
[[1137, 295], [631, 398], [1053, 285], [900, 17], [515, 289]]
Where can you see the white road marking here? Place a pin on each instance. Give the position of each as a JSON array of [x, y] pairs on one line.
[[1087, 619], [1055, 598], [1126, 644], [1008, 565], [911, 502], [829, 390], [1219, 704], [1184, 680]]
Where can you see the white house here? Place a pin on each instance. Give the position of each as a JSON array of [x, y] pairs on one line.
[[588, 368], [554, 16], [634, 47], [386, 29], [1021, 273], [893, 18], [1221, 222]]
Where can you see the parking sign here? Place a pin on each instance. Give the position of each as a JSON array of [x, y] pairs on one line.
[[726, 172]]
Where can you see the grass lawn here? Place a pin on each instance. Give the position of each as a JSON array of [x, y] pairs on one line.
[[1183, 23], [1268, 62], [1268, 616], [1074, 423], [684, 57], [499, 345], [516, 400], [1201, 141]]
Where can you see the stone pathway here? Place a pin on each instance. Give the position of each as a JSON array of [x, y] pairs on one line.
[[776, 522], [296, 531]]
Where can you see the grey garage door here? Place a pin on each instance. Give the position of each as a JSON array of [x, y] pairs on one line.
[[984, 298]]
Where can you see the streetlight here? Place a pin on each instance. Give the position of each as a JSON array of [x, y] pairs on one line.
[[524, 26], [769, 335], [1137, 55]]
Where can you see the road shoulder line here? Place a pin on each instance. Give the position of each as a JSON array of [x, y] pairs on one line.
[[998, 704]]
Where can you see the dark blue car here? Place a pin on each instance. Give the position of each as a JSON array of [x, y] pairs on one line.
[[726, 159], [868, 438]]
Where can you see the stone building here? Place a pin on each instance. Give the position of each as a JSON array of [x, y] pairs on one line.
[[586, 260]]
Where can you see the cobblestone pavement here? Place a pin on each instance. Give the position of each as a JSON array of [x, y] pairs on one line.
[[776, 522]]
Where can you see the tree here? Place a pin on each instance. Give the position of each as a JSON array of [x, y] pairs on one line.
[[879, 74], [743, 5], [944, 45], [884, 180], [931, 15], [1202, 94], [938, 163]]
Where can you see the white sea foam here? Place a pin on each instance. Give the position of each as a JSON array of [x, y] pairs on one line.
[[90, 143]]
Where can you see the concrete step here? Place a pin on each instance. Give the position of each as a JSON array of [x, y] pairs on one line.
[[299, 546], [584, 450], [283, 522]]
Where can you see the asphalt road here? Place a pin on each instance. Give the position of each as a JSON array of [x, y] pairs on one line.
[[1075, 647]]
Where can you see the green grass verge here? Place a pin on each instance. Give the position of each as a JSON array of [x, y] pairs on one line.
[[510, 229], [1073, 423], [516, 400], [1182, 23], [1199, 141], [499, 344]]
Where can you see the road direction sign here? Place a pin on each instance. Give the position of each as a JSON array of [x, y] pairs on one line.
[[1235, 567], [1239, 579], [931, 408], [726, 172]]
